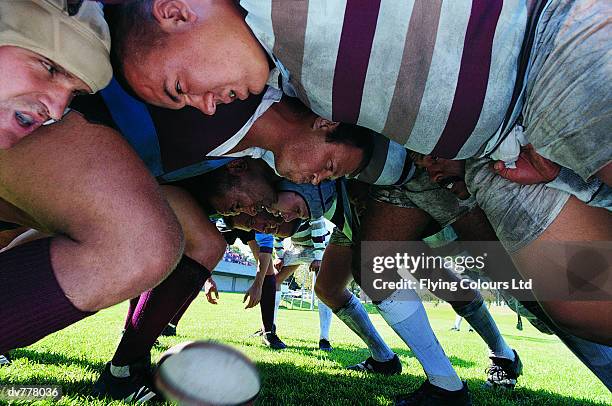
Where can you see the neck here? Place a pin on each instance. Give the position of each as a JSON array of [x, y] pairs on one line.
[[271, 131]]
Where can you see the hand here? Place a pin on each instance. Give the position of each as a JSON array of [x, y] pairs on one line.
[[210, 289], [278, 264], [315, 265], [254, 295], [531, 168]]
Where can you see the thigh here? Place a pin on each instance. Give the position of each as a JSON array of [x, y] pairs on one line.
[[561, 274], [114, 234], [334, 275], [383, 221], [74, 174]]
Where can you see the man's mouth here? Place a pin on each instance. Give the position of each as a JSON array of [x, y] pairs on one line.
[[24, 120]]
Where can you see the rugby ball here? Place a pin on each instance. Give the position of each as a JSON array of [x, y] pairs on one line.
[[202, 373]]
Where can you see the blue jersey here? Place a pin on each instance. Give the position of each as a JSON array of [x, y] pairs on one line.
[[265, 242], [172, 143]]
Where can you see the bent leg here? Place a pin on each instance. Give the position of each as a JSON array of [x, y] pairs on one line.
[[330, 287], [589, 319], [115, 235]]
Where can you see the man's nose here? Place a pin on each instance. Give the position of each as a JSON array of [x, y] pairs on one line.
[[197, 101], [57, 102]]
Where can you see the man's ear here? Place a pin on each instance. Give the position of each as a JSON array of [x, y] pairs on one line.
[[237, 166], [173, 15], [321, 123]]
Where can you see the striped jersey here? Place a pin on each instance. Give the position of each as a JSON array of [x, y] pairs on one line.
[[310, 234], [387, 163], [435, 76]]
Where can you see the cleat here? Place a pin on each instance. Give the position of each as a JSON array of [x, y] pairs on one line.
[[258, 333], [325, 345], [391, 367], [271, 340], [136, 387], [169, 331], [504, 373], [4, 360], [430, 395]]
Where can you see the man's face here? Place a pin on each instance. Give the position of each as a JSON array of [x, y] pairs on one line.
[[33, 89], [252, 193], [290, 206], [264, 222], [310, 159], [215, 60], [448, 173]]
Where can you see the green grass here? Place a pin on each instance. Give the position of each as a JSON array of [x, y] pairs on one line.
[[301, 375]]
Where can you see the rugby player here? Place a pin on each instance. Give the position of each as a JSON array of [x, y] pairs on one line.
[[511, 65], [306, 248], [332, 284], [126, 375], [64, 179]]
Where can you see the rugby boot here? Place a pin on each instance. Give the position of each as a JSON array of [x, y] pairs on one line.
[[504, 373], [325, 345], [391, 367], [430, 395], [135, 387]]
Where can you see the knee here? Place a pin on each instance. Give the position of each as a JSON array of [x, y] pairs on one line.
[[134, 267], [330, 295], [207, 251], [159, 253]]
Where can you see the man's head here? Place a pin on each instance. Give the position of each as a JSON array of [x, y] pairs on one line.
[[290, 206], [46, 58], [308, 148], [263, 222], [244, 185], [187, 52], [448, 173]]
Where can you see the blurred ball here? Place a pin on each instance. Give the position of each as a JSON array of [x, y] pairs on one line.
[[202, 373]]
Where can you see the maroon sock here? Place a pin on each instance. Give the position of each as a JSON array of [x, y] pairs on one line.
[[268, 296], [131, 310], [177, 317], [156, 308], [32, 304]]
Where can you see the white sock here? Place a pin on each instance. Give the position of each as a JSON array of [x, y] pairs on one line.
[[277, 300], [325, 316], [477, 314], [354, 315], [120, 371], [404, 312], [458, 321]]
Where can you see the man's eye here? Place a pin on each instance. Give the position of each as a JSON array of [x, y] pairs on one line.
[[50, 68], [179, 88]]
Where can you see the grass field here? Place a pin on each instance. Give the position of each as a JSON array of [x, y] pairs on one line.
[[301, 375]]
